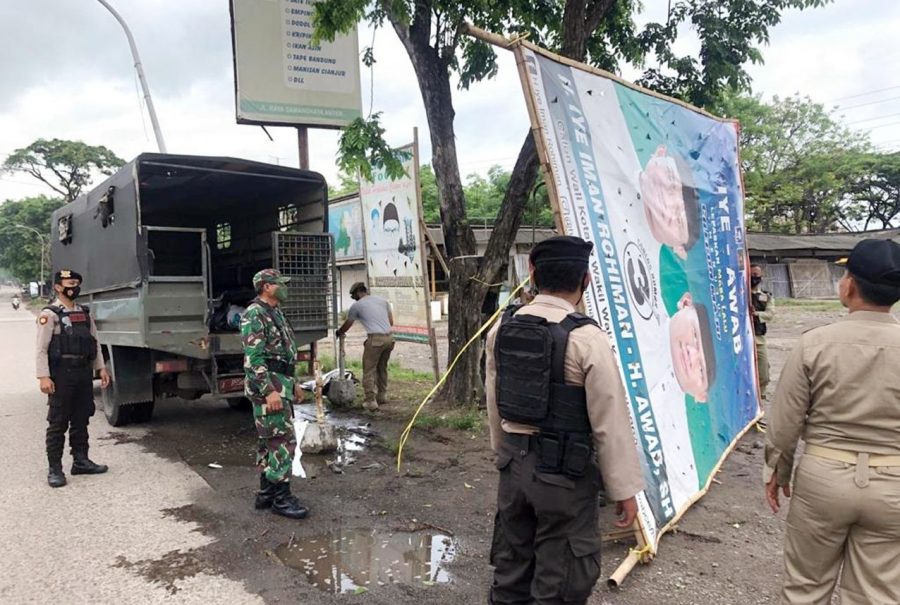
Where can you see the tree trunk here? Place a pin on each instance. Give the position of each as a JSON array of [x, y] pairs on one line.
[[469, 277], [470, 274], [464, 384]]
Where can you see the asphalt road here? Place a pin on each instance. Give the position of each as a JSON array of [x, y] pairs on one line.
[[101, 539]]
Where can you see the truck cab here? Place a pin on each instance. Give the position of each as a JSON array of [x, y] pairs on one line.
[[168, 247]]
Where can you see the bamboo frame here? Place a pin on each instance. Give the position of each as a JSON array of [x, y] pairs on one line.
[[645, 551]]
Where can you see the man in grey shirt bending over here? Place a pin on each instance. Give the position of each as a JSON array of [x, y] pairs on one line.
[[375, 314]]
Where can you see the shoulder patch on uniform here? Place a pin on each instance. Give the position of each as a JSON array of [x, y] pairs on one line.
[[43, 319]]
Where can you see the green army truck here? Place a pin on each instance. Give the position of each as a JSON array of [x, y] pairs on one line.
[[168, 247]]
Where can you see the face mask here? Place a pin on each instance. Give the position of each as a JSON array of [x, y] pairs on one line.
[[755, 281], [72, 293], [282, 294]]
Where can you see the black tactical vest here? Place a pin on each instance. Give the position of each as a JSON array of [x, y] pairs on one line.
[[531, 388], [760, 301], [74, 338]]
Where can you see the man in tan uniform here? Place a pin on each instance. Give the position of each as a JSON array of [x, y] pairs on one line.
[[68, 354], [840, 391], [762, 311], [558, 421]]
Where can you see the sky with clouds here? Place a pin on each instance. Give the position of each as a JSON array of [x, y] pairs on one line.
[[66, 72]]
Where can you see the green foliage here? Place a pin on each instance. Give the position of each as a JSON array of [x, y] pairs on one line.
[[67, 167], [348, 184], [805, 171], [362, 147], [731, 33], [484, 197], [20, 249], [875, 192]]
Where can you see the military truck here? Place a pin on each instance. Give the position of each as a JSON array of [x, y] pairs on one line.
[[168, 247]]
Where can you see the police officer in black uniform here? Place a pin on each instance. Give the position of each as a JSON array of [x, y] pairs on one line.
[[68, 354], [559, 420]]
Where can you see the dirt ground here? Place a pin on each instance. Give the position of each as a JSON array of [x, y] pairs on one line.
[[727, 548]]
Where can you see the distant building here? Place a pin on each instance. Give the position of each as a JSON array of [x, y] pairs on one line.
[[802, 266]]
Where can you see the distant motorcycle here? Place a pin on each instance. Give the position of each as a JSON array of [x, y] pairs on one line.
[[15, 304]]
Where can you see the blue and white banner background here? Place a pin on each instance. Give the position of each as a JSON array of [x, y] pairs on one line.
[[655, 185]]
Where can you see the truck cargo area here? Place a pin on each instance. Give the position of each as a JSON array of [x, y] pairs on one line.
[[223, 219]]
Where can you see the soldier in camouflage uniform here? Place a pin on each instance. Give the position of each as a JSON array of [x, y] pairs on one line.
[[269, 356]]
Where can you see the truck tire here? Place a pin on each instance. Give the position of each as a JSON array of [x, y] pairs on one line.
[[141, 412], [116, 413]]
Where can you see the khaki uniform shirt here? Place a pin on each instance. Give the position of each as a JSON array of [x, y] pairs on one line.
[[764, 316], [590, 362], [47, 326], [840, 388]]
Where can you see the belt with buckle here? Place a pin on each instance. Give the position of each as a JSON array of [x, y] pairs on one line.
[[861, 458]]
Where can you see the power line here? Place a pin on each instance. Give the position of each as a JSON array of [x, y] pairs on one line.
[[890, 115], [881, 126], [864, 94], [869, 103]]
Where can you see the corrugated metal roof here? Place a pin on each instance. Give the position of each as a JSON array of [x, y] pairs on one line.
[[821, 244], [482, 235], [780, 244]]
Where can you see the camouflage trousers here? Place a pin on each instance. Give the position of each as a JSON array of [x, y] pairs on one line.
[[277, 441]]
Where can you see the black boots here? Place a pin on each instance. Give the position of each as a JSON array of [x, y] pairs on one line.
[[286, 503], [56, 477], [83, 466], [266, 494], [279, 498]]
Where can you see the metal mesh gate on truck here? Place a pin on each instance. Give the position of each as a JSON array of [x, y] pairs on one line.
[[308, 259]]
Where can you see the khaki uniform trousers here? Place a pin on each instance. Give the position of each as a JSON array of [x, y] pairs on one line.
[[376, 355], [762, 364], [841, 513]]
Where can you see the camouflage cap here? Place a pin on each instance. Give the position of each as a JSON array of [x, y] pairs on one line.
[[269, 276]]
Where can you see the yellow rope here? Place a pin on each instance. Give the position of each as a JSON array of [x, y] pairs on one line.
[[404, 437], [484, 283], [640, 552]]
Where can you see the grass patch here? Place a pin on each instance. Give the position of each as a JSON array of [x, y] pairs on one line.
[[466, 419], [395, 371], [808, 305]]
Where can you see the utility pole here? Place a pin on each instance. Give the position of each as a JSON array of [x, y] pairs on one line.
[[139, 68]]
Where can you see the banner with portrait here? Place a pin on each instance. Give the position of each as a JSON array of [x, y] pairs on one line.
[[655, 185]]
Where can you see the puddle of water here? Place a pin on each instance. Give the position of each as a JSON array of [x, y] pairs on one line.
[[353, 433], [345, 560]]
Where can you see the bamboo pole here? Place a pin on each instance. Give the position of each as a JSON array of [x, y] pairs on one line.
[[434, 249], [618, 576]]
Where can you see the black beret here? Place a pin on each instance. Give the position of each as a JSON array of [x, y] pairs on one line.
[[561, 248], [875, 260], [66, 274]]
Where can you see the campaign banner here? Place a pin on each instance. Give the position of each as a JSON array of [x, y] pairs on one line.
[[655, 185], [346, 227], [394, 246]]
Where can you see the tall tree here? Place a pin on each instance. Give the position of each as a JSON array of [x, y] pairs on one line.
[[799, 161], [67, 167], [601, 32], [874, 193], [20, 248]]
